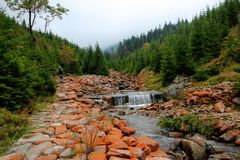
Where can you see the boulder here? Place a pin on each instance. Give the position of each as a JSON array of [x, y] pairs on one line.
[[118, 158], [229, 136], [128, 130], [136, 152], [49, 157], [14, 156], [197, 138], [118, 152], [158, 154], [236, 100], [193, 150], [220, 156], [219, 107], [237, 142], [119, 145], [202, 93], [152, 144], [130, 140], [97, 156]]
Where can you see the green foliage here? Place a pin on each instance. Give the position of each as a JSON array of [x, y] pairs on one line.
[[12, 127], [216, 79], [237, 69], [193, 123], [94, 62], [213, 70], [237, 86], [200, 75], [179, 49]]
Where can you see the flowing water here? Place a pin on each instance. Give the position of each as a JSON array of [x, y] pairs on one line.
[[135, 99], [148, 126]]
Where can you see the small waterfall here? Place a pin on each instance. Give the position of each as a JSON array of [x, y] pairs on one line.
[[135, 99], [139, 98], [119, 100]]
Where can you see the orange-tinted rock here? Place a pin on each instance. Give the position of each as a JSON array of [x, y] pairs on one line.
[[67, 135], [114, 136], [144, 148], [118, 153], [118, 158], [175, 134], [230, 135], [136, 152], [77, 129], [128, 130], [180, 112], [156, 158], [219, 107], [86, 101], [158, 153], [130, 140], [119, 145], [152, 144], [218, 124], [237, 142], [72, 117], [49, 157], [97, 156], [40, 130], [202, 93], [63, 141], [60, 129], [102, 148], [14, 156], [119, 123]]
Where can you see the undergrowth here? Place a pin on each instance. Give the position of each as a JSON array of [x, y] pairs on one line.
[[193, 124], [12, 127]]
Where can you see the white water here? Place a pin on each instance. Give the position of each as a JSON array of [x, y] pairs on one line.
[[139, 99]]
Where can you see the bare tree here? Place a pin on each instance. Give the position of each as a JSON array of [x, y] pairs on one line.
[[34, 8]]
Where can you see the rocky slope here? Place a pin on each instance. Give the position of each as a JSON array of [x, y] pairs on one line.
[[77, 128]]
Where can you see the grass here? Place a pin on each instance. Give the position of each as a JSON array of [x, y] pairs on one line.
[[193, 122], [12, 127], [43, 103], [152, 80]]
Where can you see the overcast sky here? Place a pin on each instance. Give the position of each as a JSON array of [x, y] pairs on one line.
[[109, 21]]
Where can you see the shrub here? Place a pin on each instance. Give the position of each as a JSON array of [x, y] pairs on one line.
[[12, 127], [237, 86], [237, 69], [200, 75], [193, 123], [214, 70]]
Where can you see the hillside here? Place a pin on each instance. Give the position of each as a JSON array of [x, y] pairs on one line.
[[191, 49]]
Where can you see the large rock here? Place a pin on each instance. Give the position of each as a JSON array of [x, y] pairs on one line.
[[202, 93], [14, 156], [35, 138], [158, 154], [97, 156], [236, 100], [37, 150], [152, 144], [119, 145], [197, 138], [229, 136], [193, 150], [220, 156], [219, 107], [136, 152], [237, 142], [130, 140], [118, 153], [118, 158], [49, 157]]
